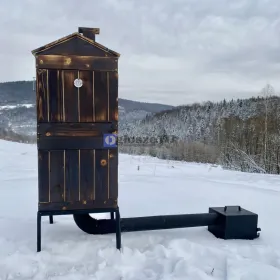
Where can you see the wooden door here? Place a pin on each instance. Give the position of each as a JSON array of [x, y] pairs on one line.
[[76, 169]]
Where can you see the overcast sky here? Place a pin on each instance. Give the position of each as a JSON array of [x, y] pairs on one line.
[[172, 51]]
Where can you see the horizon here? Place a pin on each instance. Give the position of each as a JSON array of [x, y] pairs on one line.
[[258, 95]]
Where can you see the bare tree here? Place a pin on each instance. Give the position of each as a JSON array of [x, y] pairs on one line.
[[267, 92]]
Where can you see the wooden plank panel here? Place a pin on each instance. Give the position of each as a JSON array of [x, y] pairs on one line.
[[101, 176], [86, 175], [55, 95], [43, 176], [71, 96], [57, 176], [70, 143], [76, 62], [101, 96], [74, 129], [113, 96], [86, 96], [78, 205], [71, 175], [42, 95], [74, 133], [113, 174]]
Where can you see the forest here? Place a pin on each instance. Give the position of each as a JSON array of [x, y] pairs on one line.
[[240, 134]]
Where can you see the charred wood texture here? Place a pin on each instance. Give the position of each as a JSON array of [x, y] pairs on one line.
[[75, 170]]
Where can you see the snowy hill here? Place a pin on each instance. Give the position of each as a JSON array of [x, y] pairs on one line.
[[176, 187], [241, 134]]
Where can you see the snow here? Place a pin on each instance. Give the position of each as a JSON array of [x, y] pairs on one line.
[[16, 106], [176, 187]]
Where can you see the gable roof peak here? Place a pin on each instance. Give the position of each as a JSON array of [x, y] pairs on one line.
[[84, 33]]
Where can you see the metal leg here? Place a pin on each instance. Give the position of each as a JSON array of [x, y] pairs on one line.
[[118, 229], [38, 232], [112, 215], [51, 219]]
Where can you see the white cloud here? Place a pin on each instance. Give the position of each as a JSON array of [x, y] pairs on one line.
[[174, 52]]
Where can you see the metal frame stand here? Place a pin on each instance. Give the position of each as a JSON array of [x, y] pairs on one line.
[[113, 212]]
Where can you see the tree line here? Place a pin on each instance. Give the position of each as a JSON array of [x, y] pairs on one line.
[[240, 134]]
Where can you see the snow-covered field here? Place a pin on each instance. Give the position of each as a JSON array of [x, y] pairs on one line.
[[195, 254]]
